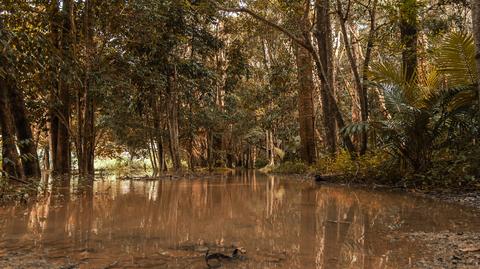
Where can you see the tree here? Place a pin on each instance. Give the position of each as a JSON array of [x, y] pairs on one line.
[[476, 34], [409, 36], [16, 130], [323, 35]]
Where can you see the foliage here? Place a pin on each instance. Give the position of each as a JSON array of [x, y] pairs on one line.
[[229, 82], [459, 169], [123, 166], [370, 167], [429, 114], [290, 167]]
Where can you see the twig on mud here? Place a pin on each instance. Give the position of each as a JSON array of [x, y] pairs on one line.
[[18, 180], [111, 265]]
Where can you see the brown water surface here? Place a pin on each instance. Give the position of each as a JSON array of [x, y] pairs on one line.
[[282, 222]]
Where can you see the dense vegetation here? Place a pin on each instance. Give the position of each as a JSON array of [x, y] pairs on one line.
[[377, 89]]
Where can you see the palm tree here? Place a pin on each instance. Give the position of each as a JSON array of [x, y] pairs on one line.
[[427, 109]]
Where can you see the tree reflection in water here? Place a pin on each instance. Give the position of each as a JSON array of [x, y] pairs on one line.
[[281, 222]]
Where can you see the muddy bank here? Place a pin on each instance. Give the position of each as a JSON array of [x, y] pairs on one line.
[[448, 249], [465, 197], [470, 198]]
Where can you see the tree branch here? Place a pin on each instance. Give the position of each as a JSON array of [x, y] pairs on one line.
[[258, 17]]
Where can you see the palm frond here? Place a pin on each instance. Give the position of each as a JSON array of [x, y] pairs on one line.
[[428, 85], [456, 59], [397, 102], [393, 78], [388, 73], [466, 97]]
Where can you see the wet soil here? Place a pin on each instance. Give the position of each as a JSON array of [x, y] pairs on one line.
[[466, 198]]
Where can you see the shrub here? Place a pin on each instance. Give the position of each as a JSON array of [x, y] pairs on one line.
[[291, 168], [372, 166]]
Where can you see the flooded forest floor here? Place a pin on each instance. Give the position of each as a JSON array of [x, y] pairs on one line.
[[281, 221]]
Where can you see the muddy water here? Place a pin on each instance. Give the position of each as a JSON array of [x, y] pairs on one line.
[[281, 222]]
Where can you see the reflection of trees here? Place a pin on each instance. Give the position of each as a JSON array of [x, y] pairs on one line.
[[316, 227], [308, 228]]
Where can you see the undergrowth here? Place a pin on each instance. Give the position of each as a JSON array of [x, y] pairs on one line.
[[459, 169], [16, 193]]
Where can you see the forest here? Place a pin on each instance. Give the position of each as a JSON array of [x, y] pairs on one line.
[[378, 89], [251, 134]]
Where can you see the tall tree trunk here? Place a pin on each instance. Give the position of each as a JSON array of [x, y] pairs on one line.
[[360, 87], [366, 65], [27, 146], [323, 60], [14, 119], [173, 120], [409, 37], [323, 35], [306, 114], [476, 34], [158, 127], [270, 146], [88, 128], [152, 155], [306, 87], [61, 117], [55, 22], [11, 166]]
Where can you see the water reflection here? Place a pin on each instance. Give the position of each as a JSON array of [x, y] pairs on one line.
[[280, 221]]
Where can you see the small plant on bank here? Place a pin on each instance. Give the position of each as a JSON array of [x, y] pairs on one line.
[[291, 167]]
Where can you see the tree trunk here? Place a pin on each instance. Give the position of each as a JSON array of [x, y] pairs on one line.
[[173, 120], [26, 145], [14, 119], [11, 166], [159, 154], [359, 86], [46, 158], [476, 34], [61, 159], [270, 148], [323, 35], [55, 22], [324, 67], [366, 68], [306, 114], [269, 143], [210, 149], [305, 42], [409, 36], [88, 128]]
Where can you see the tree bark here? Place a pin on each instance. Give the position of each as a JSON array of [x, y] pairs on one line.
[[323, 35], [88, 109], [409, 37], [157, 142], [55, 22], [26, 143], [366, 67], [61, 114], [173, 120], [306, 114], [15, 120], [360, 86], [476, 34], [11, 165]]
